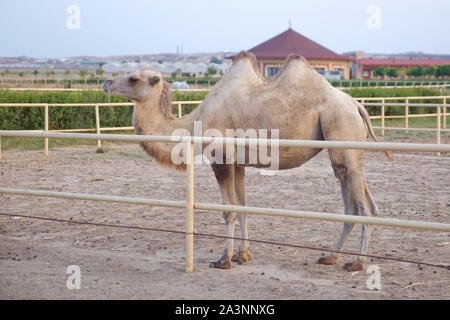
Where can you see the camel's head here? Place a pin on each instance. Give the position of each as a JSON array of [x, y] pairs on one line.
[[137, 86]]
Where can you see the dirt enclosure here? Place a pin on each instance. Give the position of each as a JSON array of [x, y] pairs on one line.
[[125, 263]]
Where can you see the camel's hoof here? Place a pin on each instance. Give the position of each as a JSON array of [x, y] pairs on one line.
[[353, 266], [221, 264], [328, 260], [241, 257]]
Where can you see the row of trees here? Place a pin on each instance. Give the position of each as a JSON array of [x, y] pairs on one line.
[[211, 72], [83, 73], [419, 71]]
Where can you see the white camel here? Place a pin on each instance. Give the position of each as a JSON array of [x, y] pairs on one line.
[[298, 102]]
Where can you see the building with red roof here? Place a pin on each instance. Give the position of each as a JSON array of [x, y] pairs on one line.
[[272, 53], [364, 64], [368, 66]]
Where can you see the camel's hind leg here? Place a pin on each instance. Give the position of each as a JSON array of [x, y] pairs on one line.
[[349, 208], [244, 254], [225, 175], [347, 166]]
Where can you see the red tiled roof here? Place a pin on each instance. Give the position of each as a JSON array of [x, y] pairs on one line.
[[290, 41], [390, 62]]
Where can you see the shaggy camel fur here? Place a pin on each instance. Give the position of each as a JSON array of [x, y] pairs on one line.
[[298, 102]]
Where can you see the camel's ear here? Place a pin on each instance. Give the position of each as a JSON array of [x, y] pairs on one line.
[[154, 80]]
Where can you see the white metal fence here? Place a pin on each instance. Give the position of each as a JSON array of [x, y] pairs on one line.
[[98, 129], [190, 205], [384, 103]]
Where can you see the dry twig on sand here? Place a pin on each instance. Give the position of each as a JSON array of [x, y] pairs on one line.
[[425, 282]]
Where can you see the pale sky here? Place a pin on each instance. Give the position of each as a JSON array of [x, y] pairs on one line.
[[38, 28]]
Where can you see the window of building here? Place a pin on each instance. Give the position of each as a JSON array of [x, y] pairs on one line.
[[271, 71], [339, 71], [320, 70], [335, 72]]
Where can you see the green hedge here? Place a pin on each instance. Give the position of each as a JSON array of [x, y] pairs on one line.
[[28, 118], [188, 96], [23, 118], [388, 82], [32, 118], [397, 92], [391, 92]]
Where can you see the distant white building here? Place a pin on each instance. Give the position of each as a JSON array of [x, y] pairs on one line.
[[180, 85], [166, 68]]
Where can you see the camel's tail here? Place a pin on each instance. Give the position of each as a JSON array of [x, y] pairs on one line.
[[365, 115]]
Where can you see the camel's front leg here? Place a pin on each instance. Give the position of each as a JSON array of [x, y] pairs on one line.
[[244, 253], [225, 178]]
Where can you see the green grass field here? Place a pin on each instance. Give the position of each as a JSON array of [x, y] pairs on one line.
[[412, 123], [19, 143], [429, 122]]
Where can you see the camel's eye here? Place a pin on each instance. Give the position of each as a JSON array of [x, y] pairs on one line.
[[134, 79]]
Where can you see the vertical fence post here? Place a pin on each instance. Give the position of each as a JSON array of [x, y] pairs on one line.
[[97, 124], [46, 128], [438, 127], [179, 111], [189, 206], [444, 108], [382, 117], [406, 114]]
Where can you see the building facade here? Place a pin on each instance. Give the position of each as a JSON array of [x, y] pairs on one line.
[[368, 66], [364, 64]]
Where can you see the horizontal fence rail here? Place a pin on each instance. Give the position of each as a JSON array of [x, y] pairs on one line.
[[340, 86], [117, 104], [333, 217], [392, 104], [190, 205], [421, 147], [403, 98], [92, 197], [94, 89]]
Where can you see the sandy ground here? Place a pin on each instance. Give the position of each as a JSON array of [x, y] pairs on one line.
[[124, 263]]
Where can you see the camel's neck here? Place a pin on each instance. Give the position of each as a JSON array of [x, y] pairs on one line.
[[154, 117]]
